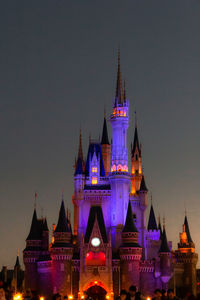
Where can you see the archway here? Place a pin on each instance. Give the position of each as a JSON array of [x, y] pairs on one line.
[[96, 292]]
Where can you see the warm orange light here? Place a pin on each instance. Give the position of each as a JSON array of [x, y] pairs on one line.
[[148, 298], [94, 169], [82, 297], [17, 296], [71, 297], [107, 296], [41, 298], [95, 282], [94, 180]]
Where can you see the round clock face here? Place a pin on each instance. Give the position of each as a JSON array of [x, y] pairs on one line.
[[95, 242]]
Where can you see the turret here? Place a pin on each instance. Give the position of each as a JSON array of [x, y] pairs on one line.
[[79, 179], [61, 253], [136, 163], [153, 231], [32, 252], [130, 252], [143, 191], [165, 260], [106, 148], [187, 258]]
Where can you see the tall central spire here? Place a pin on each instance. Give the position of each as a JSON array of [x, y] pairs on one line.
[[80, 151], [119, 91]]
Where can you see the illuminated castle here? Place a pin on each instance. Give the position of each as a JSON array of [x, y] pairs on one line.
[[111, 247]]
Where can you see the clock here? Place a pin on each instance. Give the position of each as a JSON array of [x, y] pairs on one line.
[[95, 242]]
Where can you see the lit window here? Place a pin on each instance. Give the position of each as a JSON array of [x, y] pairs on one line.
[[113, 169], [94, 169], [94, 180]]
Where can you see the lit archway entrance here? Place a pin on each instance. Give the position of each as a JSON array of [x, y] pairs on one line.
[[96, 292]]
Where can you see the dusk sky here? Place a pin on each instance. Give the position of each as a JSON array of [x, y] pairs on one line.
[[58, 65]]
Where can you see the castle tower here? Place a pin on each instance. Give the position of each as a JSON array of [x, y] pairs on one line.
[[136, 163], [152, 236], [141, 221], [130, 253], [44, 262], [61, 254], [165, 260], [31, 254], [105, 147], [119, 177], [186, 258], [79, 179]]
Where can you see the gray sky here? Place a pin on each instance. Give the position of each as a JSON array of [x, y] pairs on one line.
[[58, 70]]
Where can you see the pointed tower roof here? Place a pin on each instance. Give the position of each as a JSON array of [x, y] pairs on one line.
[[80, 150], [79, 162], [129, 224], [143, 186], [17, 264], [104, 139], [136, 143], [45, 226], [34, 233], [62, 225], [187, 230], [152, 225], [119, 91], [164, 248]]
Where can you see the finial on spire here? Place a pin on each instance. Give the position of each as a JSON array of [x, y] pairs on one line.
[[17, 251], [62, 195], [104, 111], [135, 119], [151, 199], [119, 92], [163, 221], [80, 151], [35, 200]]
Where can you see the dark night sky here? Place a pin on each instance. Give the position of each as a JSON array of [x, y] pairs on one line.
[[58, 70]]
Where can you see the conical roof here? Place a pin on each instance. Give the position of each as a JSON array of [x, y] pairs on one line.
[[152, 225], [187, 230], [136, 144], [45, 226], [62, 225], [104, 139], [34, 233], [164, 248], [129, 224], [143, 186], [17, 264]]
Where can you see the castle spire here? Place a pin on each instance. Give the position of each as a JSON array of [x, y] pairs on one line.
[[34, 232], [79, 163], [136, 144], [104, 139], [187, 230], [119, 92], [80, 151], [143, 186], [152, 225], [164, 248], [62, 225], [129, 224]]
